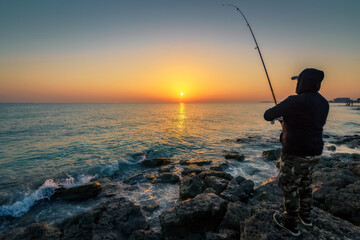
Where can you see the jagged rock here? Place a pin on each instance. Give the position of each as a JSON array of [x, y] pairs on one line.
[[198, 162], [41, 231], [234, 155], [190, 186], [331, 148], [321, 193], [168, 178], [238, 192], [138, 178], [150, 207], [345, 203], [198, 215], [356, 170], [220, 167], [155, 162], [350, 141], [145, 235], [192, 168], [222, 235], [235, 213], [79, 193], [219, 174], [218, 184], [117, 218], [166, 168], [272, 155]]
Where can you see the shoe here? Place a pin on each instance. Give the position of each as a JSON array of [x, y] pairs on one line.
[[279, 220], [306, 220]]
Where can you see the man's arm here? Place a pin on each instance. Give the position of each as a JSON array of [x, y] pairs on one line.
[[280, 109]]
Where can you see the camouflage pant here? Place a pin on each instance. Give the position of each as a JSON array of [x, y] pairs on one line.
[[295, 182]]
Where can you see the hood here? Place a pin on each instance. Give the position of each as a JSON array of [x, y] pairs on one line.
[[309, 80]]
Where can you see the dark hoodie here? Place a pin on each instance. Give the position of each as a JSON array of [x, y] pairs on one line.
[[304, 116]]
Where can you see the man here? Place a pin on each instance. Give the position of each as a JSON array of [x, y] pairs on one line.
[[304, 116]]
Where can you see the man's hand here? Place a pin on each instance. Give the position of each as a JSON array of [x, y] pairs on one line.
[[280, 119]]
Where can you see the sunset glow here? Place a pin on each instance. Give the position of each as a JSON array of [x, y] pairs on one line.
[[209, 55]]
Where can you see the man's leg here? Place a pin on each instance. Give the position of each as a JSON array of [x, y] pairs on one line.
[[289, 182], [305, 190]]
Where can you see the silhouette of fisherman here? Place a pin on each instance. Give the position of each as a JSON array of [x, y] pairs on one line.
[[303, 116]]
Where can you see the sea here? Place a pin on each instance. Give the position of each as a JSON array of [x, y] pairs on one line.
[[47, 145]]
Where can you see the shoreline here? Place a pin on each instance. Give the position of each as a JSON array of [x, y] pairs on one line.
[[210, 204]]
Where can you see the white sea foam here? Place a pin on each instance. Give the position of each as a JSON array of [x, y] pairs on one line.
[[45, 191], [19, 208]]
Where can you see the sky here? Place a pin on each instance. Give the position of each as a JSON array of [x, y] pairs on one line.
[[154, 50]]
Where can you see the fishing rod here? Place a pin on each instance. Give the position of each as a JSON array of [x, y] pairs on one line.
[[257, 47]]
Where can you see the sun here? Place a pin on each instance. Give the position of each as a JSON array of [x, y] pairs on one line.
[[182, 94]]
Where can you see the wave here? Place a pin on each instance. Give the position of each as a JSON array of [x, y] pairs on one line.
[[45, 191]]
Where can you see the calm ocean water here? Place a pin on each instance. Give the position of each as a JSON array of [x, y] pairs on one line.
[[43, 145]]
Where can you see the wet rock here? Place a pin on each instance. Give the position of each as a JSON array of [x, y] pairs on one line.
[[246, 139], [219, 174], [218, 184], [166, 168], [234, 156], [150, 207], [220, 167], [168, 178], [145, 235], [238, 192], [138, 178], [271, 155], [80, 193], [345, 203], [151, 176], [223, 235], [190, 186], [235, 213], [155, 162], [198, 162], [320, 194], [192, 168], [350, 141], [356, 170], [117, 218], [198, 215], [41, 231], [331, 148]]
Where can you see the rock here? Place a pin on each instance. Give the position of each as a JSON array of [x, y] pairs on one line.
[[234, 155], [235, 213], [192, 168], [150, 207], [190, 186], [218, 184], [198, 215], [331, 148], [223, 235], [155, 162], [41, 231], [221, 167], [145, 235], [219, 174], [240, 179], [238, 192], [138, 178], [345, 203], [320, 194], [117, 218], [153, 177], [198, 162], [350, 141], [246, 139], [80, 193], [168, 178], [272, 155], [166, 168], [356, 170]]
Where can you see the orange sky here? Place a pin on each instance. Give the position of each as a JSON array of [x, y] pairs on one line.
[[136, 63]]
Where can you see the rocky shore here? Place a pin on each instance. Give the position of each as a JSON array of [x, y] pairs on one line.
[[211, 204]]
